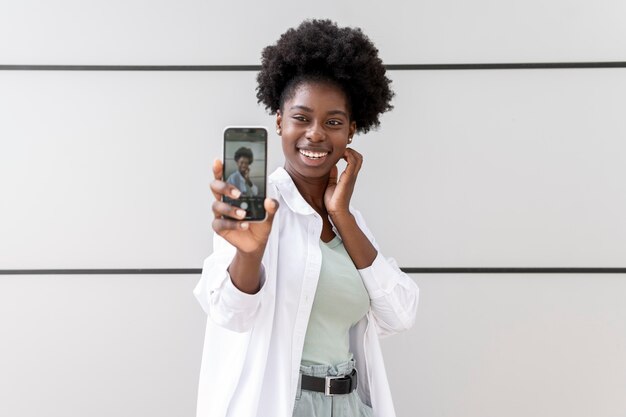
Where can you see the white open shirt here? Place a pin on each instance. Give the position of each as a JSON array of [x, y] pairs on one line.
[[253, 342]]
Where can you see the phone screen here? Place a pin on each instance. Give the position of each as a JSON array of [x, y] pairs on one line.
[[245, 166]]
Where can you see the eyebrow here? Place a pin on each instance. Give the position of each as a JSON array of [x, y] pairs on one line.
[[310, 110]]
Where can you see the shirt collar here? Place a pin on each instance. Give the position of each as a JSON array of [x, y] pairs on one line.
[[288, 191]]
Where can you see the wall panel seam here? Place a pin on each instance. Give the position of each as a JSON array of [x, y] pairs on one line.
[[391, 67], [408, 270]]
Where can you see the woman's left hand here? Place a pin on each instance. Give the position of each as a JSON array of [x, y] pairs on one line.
[[339, 190]]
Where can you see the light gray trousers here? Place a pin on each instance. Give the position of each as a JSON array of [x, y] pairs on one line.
[[317, 404]]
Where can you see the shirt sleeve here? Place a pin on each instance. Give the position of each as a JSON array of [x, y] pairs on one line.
[[393, 294], [224, 303], [232, 179]]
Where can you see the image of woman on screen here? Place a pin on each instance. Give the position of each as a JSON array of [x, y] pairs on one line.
[[241, 177]]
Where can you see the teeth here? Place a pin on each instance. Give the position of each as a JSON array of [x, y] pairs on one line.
[[313, 155]]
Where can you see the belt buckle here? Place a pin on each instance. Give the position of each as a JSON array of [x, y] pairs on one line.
[[327, 385]]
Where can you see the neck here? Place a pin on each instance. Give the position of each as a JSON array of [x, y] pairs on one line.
[[311, 189]]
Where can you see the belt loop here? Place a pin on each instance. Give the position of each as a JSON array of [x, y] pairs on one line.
[[299, 390]]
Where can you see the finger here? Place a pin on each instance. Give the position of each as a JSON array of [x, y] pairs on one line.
[[223, 226], [271, 207], [224, 209], [353, 156], [217, 187], [217, 169], [354, 160], [221, 188]]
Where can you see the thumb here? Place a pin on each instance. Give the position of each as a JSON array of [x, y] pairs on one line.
[[332, 180], [271, 207]]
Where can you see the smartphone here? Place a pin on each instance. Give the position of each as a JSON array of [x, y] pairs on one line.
[[245, 167]]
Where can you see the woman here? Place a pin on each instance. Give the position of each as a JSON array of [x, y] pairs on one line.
[[305, 294], [241, 178]]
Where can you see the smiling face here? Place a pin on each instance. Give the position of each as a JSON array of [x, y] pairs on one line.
[[315, 124], [243, 164]]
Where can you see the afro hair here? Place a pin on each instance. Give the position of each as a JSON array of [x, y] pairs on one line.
[[245, 153], [319, 50]]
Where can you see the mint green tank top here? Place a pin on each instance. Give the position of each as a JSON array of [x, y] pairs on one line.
[[341, 300]]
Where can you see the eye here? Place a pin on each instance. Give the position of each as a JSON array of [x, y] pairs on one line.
[[334, 122], [299, 118]]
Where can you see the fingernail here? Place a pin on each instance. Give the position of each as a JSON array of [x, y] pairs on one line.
[[235, 193], [241, 213], [244, 225]]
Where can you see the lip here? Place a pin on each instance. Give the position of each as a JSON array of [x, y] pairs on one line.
[[314, 153], [313, 162]]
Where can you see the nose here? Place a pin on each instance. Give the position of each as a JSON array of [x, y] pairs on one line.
[[315, 133]]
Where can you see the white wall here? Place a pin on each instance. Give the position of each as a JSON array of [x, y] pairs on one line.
[[519, 168]]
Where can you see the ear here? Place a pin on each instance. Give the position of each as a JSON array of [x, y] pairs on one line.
[[279, 119], [352, 128]]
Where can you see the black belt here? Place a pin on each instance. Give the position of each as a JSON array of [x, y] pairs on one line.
[[331, 385]]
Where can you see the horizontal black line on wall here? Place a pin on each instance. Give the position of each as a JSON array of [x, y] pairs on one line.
[[391, 67], [182, 271]]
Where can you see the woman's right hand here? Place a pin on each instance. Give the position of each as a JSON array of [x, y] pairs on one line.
[[247, 237]]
